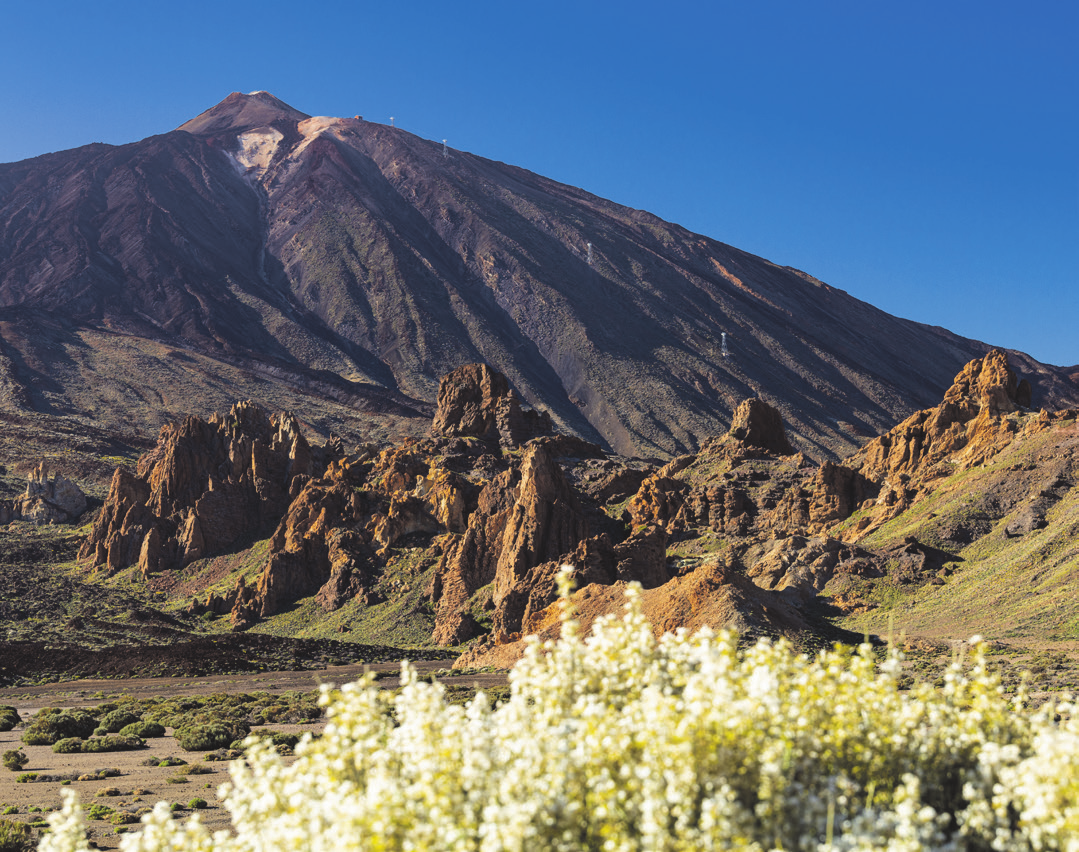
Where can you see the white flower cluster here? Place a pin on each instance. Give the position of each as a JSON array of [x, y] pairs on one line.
[[624, 742]]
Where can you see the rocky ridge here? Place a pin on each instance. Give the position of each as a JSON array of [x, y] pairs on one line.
[[747, 532]]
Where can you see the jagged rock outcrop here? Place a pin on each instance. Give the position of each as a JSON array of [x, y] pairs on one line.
[[316, 546], [470, 562], [749, 484], [476, 401], [203, 487], [970, 419], [55, 500], [758, 424], [546, 522]]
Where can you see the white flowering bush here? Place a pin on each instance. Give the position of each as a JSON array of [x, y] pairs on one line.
[[624, 742]]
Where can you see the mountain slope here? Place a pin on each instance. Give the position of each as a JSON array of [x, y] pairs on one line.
[[330, 253]]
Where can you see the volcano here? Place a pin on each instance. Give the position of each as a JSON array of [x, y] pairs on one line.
[[341, 266]]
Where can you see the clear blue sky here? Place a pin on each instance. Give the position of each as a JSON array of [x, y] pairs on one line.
[[923, 156]]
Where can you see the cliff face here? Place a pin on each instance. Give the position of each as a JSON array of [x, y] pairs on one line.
[[259, 250]]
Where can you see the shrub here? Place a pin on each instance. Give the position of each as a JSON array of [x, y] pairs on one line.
[[284, 743], [68, 745], [113, 722], [197, 804], [99, 811], [16, 836], [626, 742], [9, 717], [164, 761], [15, 759], [223, 754], [143, 730], [113, 742], [51, 725], [194, 769], [211, 735]]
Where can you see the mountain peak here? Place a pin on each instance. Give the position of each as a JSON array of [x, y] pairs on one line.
[[239, 112]]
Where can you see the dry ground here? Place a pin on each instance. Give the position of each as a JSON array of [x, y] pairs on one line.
[[139, 786]]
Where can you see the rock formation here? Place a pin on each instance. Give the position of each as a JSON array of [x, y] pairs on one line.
[[46, 501], [476, 401], [970, 417], [205, 486], [476, 525], [757, 424]]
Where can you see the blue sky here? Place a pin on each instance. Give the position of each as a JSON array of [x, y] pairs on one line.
[[923, 156]]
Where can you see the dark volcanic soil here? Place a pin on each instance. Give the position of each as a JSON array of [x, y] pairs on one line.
[[35, 662]]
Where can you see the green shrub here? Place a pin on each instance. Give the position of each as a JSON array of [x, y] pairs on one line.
[[197, 804], [210, 736], [68, 745], [99, 811], [15, 760], [10, 809], [118, 719], [113, 742], [144, 730], [16, 836], [289, 713], [194, 769], [122, 818], [51, 725], [223, 754], [9, 717], [26, 778]]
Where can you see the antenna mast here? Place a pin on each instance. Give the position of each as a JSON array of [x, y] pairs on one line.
[[726, 351]]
